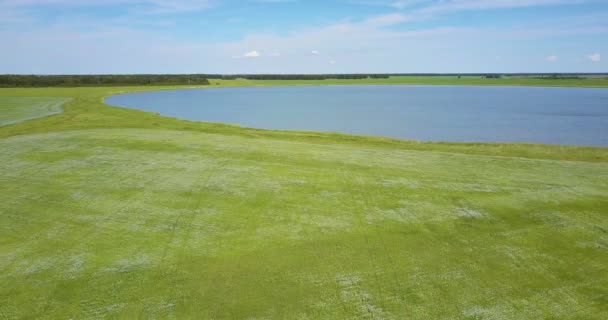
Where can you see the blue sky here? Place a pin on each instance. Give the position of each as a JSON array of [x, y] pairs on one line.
[[302, 36]]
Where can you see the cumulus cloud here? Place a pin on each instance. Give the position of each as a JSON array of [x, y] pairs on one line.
[[402, 4], [449, 6], [273, 1], [397, 4], [143, 6], [466, 5], [387, 20], [252, 54], [594, 57], [552, 58]]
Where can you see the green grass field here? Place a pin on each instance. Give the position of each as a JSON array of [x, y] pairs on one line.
[[17, 109], [597, 82], [114, 213]]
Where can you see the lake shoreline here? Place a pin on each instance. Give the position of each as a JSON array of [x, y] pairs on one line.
[[87, 110]]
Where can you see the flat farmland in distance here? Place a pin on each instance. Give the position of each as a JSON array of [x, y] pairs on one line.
[[589, 82]]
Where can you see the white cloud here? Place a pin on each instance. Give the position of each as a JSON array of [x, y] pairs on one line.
[[552, 58], [402, 4], [448, 6], [387, 20], [595, 57], [397, 4], [176, 6], [464, 5], [332, 61], [273, 1], [252, 54], [143, 6], [315, 52]]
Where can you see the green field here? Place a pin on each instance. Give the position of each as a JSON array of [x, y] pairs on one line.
[[17, 109], [597, 82], [114, 213]]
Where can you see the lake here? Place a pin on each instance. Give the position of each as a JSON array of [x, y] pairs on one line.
[[570, 116]]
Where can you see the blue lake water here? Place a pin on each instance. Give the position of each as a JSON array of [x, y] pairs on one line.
[[571, 116]]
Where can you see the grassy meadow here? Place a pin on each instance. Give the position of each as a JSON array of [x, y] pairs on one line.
[[595, 82], [18, 109], [114, 213]]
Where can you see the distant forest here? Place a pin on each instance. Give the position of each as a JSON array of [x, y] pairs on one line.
[[100, 80], [158, 79]]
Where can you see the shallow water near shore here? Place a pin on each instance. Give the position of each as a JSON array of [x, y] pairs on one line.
[[568, 116]]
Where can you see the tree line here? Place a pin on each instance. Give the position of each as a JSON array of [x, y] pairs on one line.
[[10, 80], [13, 80], [559, 77]]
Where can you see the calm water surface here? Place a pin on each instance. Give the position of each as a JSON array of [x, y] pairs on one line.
[[574, 116]]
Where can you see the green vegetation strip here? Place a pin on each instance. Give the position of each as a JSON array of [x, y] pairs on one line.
[[590, 82], [114, 213]]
